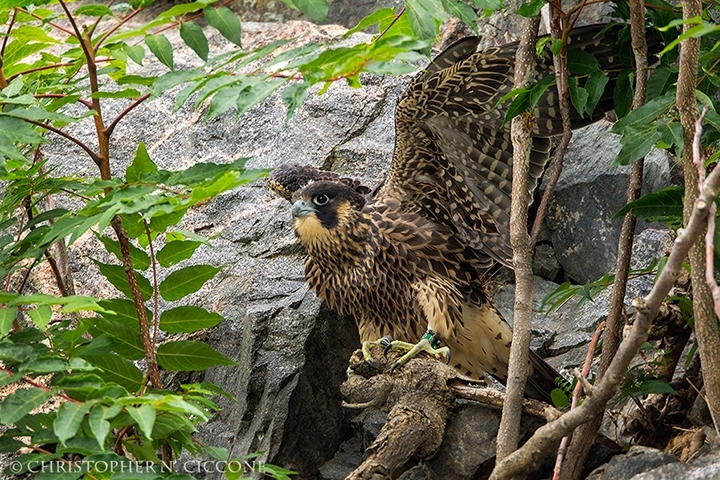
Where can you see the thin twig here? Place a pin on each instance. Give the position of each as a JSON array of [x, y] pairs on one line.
[[44, 20], [111, 127], [576, 394], [710, 234], [156, 288], [76, 141], [114, 28]]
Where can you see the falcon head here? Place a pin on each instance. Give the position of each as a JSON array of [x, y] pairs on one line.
[[326, 211]]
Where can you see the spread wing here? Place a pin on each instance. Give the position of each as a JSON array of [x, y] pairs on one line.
[[453, 155]]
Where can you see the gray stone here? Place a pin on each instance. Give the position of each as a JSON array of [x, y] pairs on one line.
[[627, 466], [589, 192], [545, 264], [291, 351], [706, 467], [469, 442], [649, 246]]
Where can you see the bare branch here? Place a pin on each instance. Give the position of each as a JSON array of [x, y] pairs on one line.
[[109, 130], [521, 133], [80, 144], [706, 329], [576, 394], [585, 436]]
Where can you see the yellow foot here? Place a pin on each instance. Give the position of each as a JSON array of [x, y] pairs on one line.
[[366, 346], [427, 344], [367, 356]]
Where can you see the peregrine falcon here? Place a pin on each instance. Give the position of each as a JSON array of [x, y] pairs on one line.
[[405, 261]]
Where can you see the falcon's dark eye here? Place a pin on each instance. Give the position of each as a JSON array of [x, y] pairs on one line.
[[321, 199]]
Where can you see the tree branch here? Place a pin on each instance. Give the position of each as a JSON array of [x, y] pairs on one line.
[[706, 329], [109, 130], [80, 144], [521, 132], [585, 436], [545, 438]]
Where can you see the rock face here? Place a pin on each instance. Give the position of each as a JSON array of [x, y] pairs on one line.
[[588, 194], [292, 352]]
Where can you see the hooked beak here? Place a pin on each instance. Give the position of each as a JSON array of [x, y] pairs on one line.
[[301, 208]]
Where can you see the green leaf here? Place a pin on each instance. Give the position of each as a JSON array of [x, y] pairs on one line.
[[637, 140], [182, 9], [188, 319], [13, 130], [519, 104], [116, 275], [226, 22], [173, 79], [539, 89], [141, 165], [657, 206], [315, 9], [176, 251], [463, 11], [556, 46], [139, 258], [381, 15], [704, 28], [126, 93], [19, 403], [7, 378], [194, 37], [10, 445], [125, 338], [488, 5], [41, 316], [144, 417], [580, 62], [136, 53], [98, 421], [44, 365], [186, 281], [595, 87], [94, 10], [69, 417], [643, 116], [648, 387], [623, 93], [293, 96], [161, 47], [578, 95], [118, 370], [425, 17], [122, 310], [186, 355], [531, 9], [670, 132], [7, 315], [661, 80]]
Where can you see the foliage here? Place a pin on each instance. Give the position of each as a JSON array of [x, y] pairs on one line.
[[62, 66]]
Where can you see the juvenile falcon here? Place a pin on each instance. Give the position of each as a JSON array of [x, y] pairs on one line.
[[405, 261]]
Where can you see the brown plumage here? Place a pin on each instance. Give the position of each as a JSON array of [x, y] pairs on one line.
[[406, 261]]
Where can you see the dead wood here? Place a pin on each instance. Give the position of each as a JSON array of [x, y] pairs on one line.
[[418, 398]]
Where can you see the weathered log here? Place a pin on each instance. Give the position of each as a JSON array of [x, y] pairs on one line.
[[417, 398]]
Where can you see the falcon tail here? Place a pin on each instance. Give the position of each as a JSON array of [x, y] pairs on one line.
[[543, 380]]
